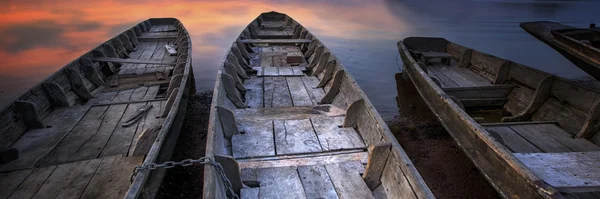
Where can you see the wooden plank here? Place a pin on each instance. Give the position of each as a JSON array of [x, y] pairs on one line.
[[123, 96], [332, 137], [10, 181], [347, 182], [138, 93], [516, 123], [492, 91], [114, 80], [33, 182], [36, 143], [444, 80], [378, 155], [93, 146], [316, 94], [254, 92], [316, 182], [120, 141], [306, 159], [483, 102], [298, 70], [472, 76], [280, 94], [513, 141], [154, 38], [133, 61], [255, 139], [280, 182], [297, 136], [535, 135], [285, 71], [68, 180], [570, 172], [298, 92], [250, 193], [560, 135], [395, 182], [87, 127], [149, 121], [111, 179], [275, 41], [289, 113], [270, 71], [151, 93], [457, 78]]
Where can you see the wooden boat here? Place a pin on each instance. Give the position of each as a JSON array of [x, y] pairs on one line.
[[288, 121], [80, 132], [580, 45], [532, 134]]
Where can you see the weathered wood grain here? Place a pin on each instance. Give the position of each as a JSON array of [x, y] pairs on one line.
[[93, 146], [145, 141], [592, 122], [274, 41], [254, 92], [10, 181], [299, 94], [277, 92], [120, 141], [316, 182], [232, 93], [306, 159], [347, 181], [297, 136], [111, 179], [316, 94], [68, 180], [332, 137], [394, 181], [538, 138], [378, 155], [255, 139], [33, 182], [335, 88], [572, 172], [542, 93], [280, 182], [142, 60], [513, 141]]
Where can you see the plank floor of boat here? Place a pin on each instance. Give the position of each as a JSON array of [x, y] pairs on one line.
[[453, 76], [289, 146], [554, 155], [84, 151]]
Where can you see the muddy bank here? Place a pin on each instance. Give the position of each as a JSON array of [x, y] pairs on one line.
[[448, 172], [186, 182]]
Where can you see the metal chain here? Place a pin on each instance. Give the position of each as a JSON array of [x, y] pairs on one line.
[[189, 162]]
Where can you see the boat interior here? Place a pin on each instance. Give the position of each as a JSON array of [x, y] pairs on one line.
[[549, 123], [295, 123], [80, 132], [587, 36]]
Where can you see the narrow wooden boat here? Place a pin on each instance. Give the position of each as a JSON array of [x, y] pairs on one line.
[[532, 134], [288, 121], [580, 45], [80, 132]]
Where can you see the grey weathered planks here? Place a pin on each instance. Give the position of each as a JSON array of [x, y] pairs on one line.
[[298, 91], [347, 181], [108, 180], [332, 137], [296, 136], [316, 182], [255, 139], [274, 41], [280, 182], [572, 172]]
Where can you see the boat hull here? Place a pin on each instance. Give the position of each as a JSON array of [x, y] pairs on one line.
[[582, 55]]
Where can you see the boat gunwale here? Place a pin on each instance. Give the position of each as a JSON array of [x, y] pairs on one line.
[[483, 135], [412, 176], [140, 179]]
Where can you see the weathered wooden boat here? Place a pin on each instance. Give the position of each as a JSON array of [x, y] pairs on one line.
[[580, 45], [81, 132], [532, 134], [288, 121]]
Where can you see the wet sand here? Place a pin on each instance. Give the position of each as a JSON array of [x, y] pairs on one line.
[[186, 182], [448, 172]]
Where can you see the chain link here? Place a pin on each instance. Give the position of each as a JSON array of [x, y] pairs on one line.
[[190, 162]]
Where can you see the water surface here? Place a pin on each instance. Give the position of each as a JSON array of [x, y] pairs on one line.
[[37, 39]]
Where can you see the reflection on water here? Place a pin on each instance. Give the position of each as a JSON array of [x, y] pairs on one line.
[[38, 38]]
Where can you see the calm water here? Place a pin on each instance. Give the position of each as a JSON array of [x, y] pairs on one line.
[[36, 39]]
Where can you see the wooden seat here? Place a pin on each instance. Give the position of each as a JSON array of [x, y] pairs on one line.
[[275, 41], [444, 56]]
